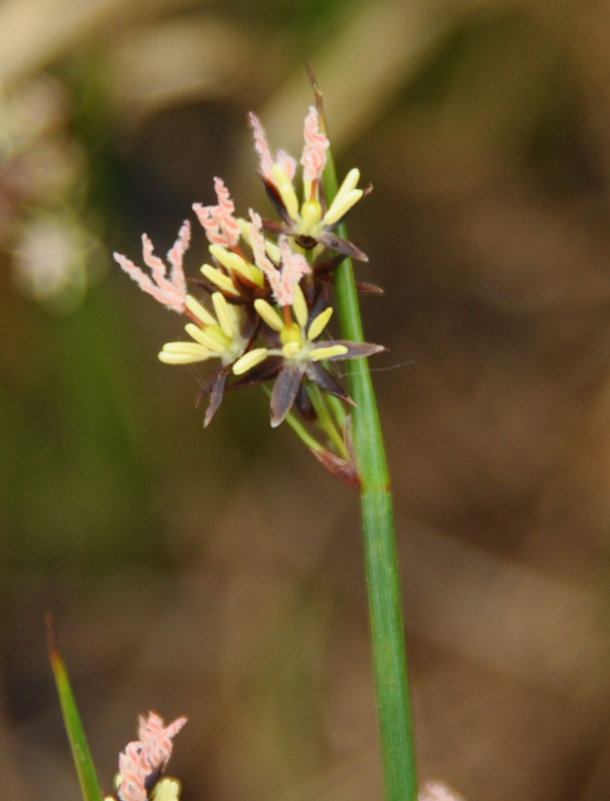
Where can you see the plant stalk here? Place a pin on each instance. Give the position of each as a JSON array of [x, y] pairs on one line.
[[381, 555]]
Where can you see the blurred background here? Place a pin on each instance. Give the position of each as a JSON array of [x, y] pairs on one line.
[[219, 573]]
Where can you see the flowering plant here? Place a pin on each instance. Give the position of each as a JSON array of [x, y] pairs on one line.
[[268, 289], [268, 286]]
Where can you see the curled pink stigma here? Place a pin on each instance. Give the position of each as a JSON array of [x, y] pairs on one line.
[[219, 223], [316, 145], [294, 267], [144, 757], [261, 147], [287, 163], [283, 159], [170, 291]]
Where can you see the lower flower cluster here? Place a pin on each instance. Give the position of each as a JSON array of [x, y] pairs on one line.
[[263, 300], [143, 763]]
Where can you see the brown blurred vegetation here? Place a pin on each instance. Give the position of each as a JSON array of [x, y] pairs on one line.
[[219, 573]]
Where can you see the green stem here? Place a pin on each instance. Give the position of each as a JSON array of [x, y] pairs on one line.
[[381, 555], [303, 433], [338, 409], [325, 419]]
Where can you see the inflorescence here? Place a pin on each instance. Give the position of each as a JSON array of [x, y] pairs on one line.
[[143, 763], [268, 285]]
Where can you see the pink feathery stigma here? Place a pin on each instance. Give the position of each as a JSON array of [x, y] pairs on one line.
[[257, 240], [261, 147], [146, 756], [175, 257], [134, 770], [294, 267], [316, 145], [156, 739], [171, 292], [221, 227], [260, 256], [287, 163]]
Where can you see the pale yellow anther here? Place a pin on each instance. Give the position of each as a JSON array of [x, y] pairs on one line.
[[340, 208], [317, 354], [250, 360], [299, 305], [269, 314], [286, 190], [166, 790], [311, 214], [226, 316], [184, 347], [228, 259], [219, 279], [319, 323], [345, 198], [271, 249], [199, 311], [212, 338], [232, 261], [167, 357], [350, 181], [183, 353]]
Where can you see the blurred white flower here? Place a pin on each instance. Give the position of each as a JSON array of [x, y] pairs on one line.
[[54, 260], [438, 791], [53, 256]]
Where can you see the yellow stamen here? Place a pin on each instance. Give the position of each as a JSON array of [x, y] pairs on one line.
[[199, 311], [250, 360], [286, 190], [166, 790], [345, 197], [183, 353], [219, 279], [317, 354], [271, 248], [269, 314], [238, 264], [179, 358], [299, 305], [319, 323], [226, 315], [212, 338], [229, 260]]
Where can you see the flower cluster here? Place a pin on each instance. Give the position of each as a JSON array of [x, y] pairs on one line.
[[268, 286], [143, 762]]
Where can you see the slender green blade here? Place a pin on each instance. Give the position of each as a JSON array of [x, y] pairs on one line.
[[383, 583], [76, 735]]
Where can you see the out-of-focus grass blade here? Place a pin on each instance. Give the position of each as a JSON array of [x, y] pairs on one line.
[[76, 735]]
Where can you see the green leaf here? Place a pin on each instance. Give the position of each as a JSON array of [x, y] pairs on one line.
[[76, 735]]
